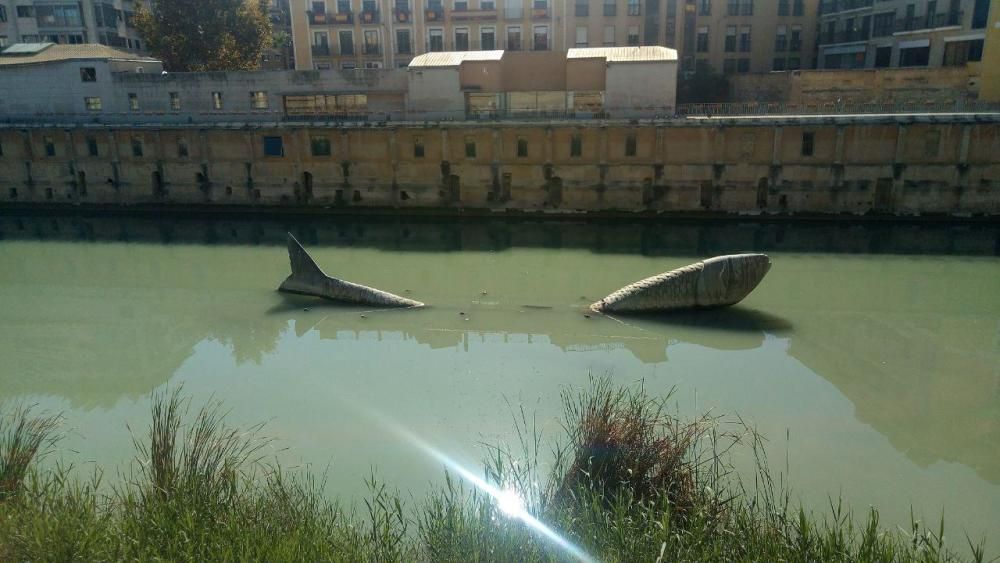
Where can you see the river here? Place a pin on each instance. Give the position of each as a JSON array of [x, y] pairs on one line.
[[869, 356]]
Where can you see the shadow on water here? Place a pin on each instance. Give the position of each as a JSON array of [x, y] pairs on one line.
[[437, 234], [730, 319]]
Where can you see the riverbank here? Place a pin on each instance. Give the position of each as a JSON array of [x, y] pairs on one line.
[[629, 482]]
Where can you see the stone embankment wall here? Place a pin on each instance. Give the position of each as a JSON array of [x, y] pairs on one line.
[[832, 165]]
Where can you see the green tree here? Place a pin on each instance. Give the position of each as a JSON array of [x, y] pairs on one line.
[[200, 35]]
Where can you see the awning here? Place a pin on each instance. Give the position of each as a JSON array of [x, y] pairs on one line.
[[915, 44], [845, 50]]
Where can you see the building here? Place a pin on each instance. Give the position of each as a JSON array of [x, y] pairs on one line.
[[280, 56], [107, 22], [990, 66], [901, 33], [591, 82], [84, 76], [734, 36]]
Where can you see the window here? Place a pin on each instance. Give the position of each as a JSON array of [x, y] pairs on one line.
[[258, 100], [371, 42], [779, 64], [487, 5], [609, 36], [436, 42], [781, 38], [783, 7], [808, 143], [274, 146], [461, 5], [729, 66], [3, 13], [350, 65], [916, 56], [541, 38], [320, 146], [581, 9], [581, 36], [418, 147], [746, 8], [730, 38], [634, 8], [92, 147], [3, 39], [703, 39], [182, 148], [883, 56], [461, 39], [346, 38], [796, 42], [514, 38], [136, 147], [522, 147], [632, 36], [403, 44], [743, 65], [733, 8], [133, 101], [610, 7], [957, 53], [575, 145], [798, 7], [50, 146], [883, 24], [630, 147], [470, 147], [216, 100], [175, 101], [704, 7], [487, 38], [745, 38], [25, 11], [88, 74]]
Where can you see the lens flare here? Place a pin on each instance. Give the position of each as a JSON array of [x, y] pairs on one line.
[[510, 503]]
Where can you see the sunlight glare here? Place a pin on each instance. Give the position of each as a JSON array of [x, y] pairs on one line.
[[510, 503]]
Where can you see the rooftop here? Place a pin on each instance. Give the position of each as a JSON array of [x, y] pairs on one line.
[[37, 53], [610, 54], [624, 54]]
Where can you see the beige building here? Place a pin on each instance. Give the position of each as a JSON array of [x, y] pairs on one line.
[[901, 33], [732, 35]]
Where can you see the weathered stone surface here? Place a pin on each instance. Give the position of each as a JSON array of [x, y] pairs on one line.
[[716, 282], [308, 279]]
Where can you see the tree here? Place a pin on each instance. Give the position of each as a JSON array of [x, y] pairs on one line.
[[201, 35]]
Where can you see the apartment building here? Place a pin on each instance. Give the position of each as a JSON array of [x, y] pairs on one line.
[[108, 22], [740, 36], [901, 33], [726, 35]]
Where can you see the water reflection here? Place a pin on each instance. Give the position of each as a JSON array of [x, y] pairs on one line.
[[912, 342]]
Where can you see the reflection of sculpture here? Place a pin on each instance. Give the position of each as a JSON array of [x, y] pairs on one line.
[[308, 279], [716, 282]]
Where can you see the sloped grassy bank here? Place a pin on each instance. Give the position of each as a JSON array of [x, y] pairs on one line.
[[629, 482]]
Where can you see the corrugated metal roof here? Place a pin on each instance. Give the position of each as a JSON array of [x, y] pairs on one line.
[[56, 53], [453, 58], [624, 54]]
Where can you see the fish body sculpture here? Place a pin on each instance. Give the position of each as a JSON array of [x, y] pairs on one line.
[[716, 282], [308, 279]]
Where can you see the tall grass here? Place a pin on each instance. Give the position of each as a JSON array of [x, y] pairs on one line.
[[24, 437], [628, 481]]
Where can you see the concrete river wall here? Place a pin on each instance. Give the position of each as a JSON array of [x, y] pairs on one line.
[[904, 165]]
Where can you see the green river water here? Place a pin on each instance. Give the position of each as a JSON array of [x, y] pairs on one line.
[[869, 356]]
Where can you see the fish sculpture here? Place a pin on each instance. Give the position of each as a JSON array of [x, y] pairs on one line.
[[715, 282], [308, 279]]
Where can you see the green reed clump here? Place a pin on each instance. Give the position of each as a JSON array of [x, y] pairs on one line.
[[628, 482], [24, 437]]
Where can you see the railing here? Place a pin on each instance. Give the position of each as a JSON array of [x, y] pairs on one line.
[[434, 14], [834, 6], [834, 108], [317, 18], [929, 21], [370, 16], [341, 18], [321, 50], [402, 15], [539, 13], [467, 15], [844, 36], [372, 49]]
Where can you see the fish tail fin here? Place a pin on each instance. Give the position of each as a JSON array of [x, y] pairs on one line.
[[304, 268]]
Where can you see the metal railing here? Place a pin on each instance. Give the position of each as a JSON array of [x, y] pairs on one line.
[[834, 6], [929, 21], [837, 108], [844, 36]]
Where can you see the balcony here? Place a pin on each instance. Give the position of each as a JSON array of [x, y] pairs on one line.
[[473, 15], [540, 13], [317, 18], [369, 16], [434, 14], [402, 15], [834, 6], [845, 36], [930, 21], [321, 50], [341, 18]]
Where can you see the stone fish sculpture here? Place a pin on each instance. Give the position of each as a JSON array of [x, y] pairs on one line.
[[308, 279], [716, 282]]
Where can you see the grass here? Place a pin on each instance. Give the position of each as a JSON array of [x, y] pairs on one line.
[[629, 482]]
